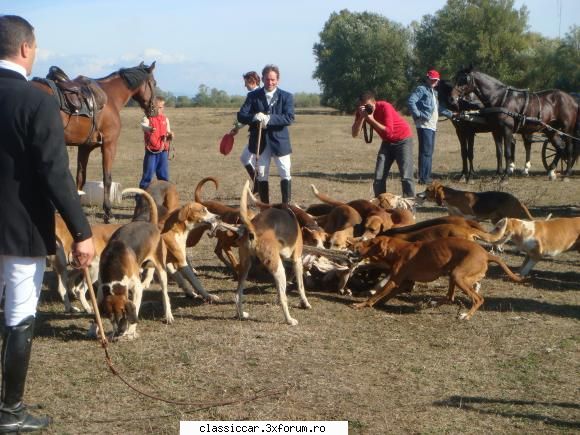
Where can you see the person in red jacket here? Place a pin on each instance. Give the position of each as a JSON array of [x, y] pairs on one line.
[[158, 136], [397, 142]]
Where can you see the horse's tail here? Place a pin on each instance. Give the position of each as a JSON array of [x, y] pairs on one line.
[[153, 213], [197, 194], [325, 198]]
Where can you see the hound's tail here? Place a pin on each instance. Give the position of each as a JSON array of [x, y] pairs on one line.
[[244, 209], [153, 214], [494, 259], [525, 213], [261, 205], [499, 235], [197, 194], [325, 198], [495, 235]]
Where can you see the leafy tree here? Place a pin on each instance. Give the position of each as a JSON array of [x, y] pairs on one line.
[[567, 59], [303, 99], [183, 101], [359, 52], [538, 62], [489, 34]]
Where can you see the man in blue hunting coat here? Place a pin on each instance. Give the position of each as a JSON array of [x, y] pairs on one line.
[[269, 111]]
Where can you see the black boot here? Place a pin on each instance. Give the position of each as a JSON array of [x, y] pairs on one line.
[[252, 173], [16, 349], [264, 191], [286, 189]]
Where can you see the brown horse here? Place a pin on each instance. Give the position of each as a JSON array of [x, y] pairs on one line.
[[103, 131], [552, 112]]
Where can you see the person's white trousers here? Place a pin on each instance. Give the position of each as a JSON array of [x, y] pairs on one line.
[[282, 163], [21, 281]]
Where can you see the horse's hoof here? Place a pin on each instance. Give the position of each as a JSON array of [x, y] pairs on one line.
[[566, 179]]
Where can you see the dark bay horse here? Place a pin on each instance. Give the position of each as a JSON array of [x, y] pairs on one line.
[[510, 111], [467, 125], [103, 132]]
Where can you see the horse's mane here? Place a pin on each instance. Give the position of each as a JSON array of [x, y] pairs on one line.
[[134, 76]]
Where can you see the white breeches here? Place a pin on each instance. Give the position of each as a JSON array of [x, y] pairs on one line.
[[21, 279]]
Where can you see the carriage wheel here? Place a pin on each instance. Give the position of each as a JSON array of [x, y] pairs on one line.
[[549, 155]]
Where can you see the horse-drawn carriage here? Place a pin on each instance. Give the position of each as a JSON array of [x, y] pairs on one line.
[[553, 114], [487, 105]]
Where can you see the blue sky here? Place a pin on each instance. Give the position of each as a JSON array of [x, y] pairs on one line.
[[213, 42]]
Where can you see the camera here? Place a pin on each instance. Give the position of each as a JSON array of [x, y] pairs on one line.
[[369, 108]]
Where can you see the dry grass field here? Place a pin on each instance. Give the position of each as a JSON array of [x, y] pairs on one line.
[[402, 367]]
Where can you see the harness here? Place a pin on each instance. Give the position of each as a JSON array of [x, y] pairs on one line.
[[520, 118]]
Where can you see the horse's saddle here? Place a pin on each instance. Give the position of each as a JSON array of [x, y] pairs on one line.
[[81, 96]]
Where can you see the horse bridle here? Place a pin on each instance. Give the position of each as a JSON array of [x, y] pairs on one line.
[[151, 105], [471, 86]]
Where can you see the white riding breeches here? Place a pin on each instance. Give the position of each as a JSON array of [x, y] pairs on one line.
[[21, 280], [283, 164], [247, 158]]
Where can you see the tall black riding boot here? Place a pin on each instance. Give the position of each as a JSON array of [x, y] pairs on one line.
[[264, 191], [252, 173], [16, 349], [286, 189]]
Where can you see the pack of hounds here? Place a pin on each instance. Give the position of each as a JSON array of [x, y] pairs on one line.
[[374, 244]]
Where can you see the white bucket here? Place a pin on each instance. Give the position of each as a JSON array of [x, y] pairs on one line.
[[94, 192]]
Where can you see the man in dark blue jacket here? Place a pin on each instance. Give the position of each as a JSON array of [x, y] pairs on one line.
[[269, 111]]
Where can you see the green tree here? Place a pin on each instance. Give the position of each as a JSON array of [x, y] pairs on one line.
[[183, 101], [567, 60], [489, 34], [303, 99], [203, 96], [359, 52]]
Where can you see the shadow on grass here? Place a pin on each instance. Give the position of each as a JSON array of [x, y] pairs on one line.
[[518, 305], [71, 332], [542, 279], [352, 177], [408, 303], [483, 405]]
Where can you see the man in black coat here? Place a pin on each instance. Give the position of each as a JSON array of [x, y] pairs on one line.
[[34, 179], [272, 110]]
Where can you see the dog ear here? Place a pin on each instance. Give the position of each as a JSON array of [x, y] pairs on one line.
[[184, 212], [439, 194]]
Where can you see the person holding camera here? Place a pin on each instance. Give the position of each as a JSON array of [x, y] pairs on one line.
[[397, 142], [424, 107], [269, 111], [158, 136]]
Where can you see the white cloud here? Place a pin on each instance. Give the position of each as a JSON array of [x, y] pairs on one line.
[[151, 54]]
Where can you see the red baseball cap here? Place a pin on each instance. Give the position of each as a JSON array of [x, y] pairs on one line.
[[432, 74]]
